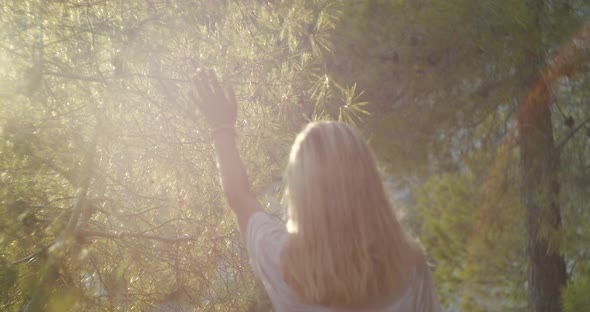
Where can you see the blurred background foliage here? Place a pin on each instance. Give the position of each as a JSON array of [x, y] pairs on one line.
[[109, 196]]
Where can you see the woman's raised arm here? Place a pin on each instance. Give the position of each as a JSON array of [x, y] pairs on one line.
[[220, 111]]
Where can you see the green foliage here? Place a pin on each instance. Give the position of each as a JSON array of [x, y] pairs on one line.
[[472, 228], [434, 84], [447, 205], [575, 295], [443, 80], [152, 219], [574, 195]]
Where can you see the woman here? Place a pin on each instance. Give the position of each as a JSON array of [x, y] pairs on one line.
[[342, 248]]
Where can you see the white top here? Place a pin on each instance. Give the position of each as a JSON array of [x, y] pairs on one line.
[[265, 239]]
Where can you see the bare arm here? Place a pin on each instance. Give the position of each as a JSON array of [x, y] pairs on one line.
[[234, 179], [220, 110]]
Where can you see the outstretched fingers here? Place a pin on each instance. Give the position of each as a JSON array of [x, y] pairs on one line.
[[231, 94], [203, 85], [214, 84], [201, 93]]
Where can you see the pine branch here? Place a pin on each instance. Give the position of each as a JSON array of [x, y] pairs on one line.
[[31, 256], [571, 134], [121, 235]]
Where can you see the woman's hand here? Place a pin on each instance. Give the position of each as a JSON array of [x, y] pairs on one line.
[[219, 107]]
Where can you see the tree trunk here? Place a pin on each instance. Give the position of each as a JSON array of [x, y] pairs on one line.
[[540, 184], [540, 188]]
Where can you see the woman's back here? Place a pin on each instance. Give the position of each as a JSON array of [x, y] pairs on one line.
[[345, 245], [266, 240]]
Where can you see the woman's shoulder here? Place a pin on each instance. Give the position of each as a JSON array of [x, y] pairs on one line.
[[265, 226], [265, 239]]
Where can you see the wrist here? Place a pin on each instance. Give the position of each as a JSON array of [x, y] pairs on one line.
[[223, 130]]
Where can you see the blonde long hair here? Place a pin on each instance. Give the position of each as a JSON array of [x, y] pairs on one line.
[[346, 246]]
